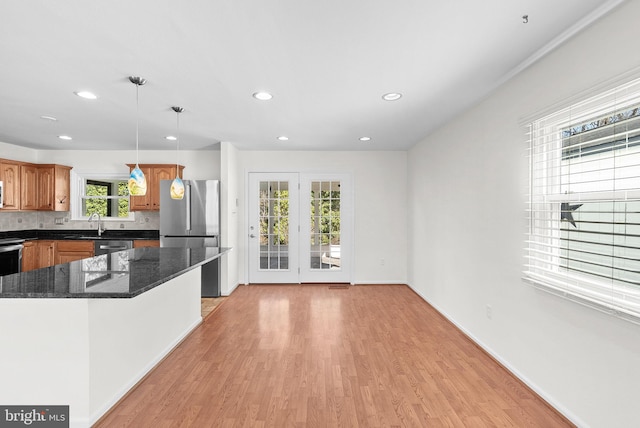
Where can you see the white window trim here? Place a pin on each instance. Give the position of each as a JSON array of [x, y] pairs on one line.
[[618, 299], [77, 180]]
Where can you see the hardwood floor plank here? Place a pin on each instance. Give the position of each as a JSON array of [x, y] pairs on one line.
[[311, 356]]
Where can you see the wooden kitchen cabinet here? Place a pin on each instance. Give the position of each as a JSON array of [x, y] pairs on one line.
[[69, 251], [53, 187], [37, 254], [29, 256], [46, 252], [141, 243], [28, 187], [45, 188], [10, 177], [153, 174]]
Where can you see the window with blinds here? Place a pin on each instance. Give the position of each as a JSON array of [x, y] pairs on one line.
[[584, 202]]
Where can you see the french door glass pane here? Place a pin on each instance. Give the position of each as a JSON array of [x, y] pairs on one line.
[[325, 225], [274, 225]]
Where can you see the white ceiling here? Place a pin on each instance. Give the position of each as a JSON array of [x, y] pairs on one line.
[[326, 62]]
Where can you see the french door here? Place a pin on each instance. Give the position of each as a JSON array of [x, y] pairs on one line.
[[300, 228]]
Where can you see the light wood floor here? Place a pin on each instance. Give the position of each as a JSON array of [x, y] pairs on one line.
[[311, 356], [209, 304]]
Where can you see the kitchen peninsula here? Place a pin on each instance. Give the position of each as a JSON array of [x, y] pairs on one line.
[[83, 333]]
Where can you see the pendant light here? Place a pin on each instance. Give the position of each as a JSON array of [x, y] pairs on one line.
[[177, 186], [137, 181]]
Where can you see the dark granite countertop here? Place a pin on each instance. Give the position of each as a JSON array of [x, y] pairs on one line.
[[125, 234], [123, 274]]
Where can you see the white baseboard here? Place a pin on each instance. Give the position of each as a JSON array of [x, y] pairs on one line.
[[378, 282], [532, 385], [227, 294]]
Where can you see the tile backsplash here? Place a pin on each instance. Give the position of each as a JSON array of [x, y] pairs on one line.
[[28, 220]]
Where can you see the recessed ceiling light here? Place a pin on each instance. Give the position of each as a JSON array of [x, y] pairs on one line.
[[48, 118], [283, 138], [170, 138], [392, 96], [262, 96], [86, 94], [365, 138], [65, 137]]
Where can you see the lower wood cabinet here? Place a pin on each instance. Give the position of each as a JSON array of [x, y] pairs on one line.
[[69, 251], [30, 256], [140, 243], [44, 253]]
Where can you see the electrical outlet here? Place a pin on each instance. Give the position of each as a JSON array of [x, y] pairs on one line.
[[489, 312], [381, 262]]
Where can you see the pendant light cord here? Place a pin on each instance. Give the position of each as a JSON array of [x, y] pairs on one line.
[[177, 143], [137, 123]]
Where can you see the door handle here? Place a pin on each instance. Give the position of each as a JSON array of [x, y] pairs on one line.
[[252, 236], [188, 205]]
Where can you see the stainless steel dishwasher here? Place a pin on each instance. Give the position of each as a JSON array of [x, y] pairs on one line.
[[106, 246]]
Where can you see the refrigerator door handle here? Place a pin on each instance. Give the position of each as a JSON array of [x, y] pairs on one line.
[[188, 196]]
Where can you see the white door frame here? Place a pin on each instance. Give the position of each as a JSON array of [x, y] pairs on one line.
[[347, 221], [290, 273], [343, 273]]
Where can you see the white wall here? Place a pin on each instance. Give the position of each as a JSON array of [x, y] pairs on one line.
[[9, 151], [467, 185], [229, 219], [199, 164], [380, 193]]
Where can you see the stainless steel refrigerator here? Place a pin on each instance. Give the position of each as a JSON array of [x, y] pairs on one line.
[[193, 221]]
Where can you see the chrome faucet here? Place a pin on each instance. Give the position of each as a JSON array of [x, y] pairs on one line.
[[100, 229]]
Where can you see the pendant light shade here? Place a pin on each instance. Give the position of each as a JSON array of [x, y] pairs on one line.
[[177, 186], [137, 181]]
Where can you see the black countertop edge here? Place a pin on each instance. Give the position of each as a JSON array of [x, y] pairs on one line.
[[146, 268], [132, 234]]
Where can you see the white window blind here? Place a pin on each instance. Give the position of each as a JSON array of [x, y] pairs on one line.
[[584, 202]]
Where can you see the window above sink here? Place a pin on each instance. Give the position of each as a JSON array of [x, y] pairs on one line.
[[104, 193]]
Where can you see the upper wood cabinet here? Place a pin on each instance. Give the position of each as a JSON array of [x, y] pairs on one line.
[[45, 187], [10, 177], [53, 187], [30, 187], [153, 174]]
